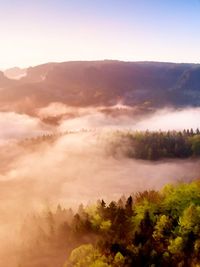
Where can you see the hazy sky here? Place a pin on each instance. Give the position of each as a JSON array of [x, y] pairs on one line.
[[38, 31]]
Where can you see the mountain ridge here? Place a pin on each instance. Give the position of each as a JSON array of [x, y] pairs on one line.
[[107, 82]]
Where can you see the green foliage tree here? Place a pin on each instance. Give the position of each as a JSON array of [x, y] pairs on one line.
[[149, 228], [86, 255]]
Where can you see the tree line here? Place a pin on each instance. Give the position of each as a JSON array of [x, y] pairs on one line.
[[155, 145]]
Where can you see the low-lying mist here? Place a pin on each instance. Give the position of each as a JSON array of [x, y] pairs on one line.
[[122, 117], [18, 126], [75, 168]]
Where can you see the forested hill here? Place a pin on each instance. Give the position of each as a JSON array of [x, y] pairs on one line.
[[106, 82], [155, 145], [150, 228]]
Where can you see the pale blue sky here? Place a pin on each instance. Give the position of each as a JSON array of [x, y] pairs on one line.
[[38, 31]]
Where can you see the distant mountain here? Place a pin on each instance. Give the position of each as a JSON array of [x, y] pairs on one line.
[[38, 73], [15, 73], [95, 83], [4, 81]]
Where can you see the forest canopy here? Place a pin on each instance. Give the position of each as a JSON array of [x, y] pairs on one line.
[[150, 228], [156, 145]]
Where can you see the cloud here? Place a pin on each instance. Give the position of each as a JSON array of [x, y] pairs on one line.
[[75, 168], [67, 170], [15, 126], [53, 109], [165, 119], [171, 119]]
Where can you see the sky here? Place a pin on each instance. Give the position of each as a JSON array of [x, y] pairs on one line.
[[33, 32]]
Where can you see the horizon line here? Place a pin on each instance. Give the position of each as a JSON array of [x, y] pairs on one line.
[[99, 60]]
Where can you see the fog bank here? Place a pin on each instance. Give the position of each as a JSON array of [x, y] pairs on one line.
[[75, 168]]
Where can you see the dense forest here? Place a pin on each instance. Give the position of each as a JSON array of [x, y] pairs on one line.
[[155, 145], [150, 228]]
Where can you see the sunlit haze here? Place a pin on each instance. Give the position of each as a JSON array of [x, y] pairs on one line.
[[99, 133], [34, 32]]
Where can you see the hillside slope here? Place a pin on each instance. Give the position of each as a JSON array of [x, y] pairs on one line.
[[95, 83]]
